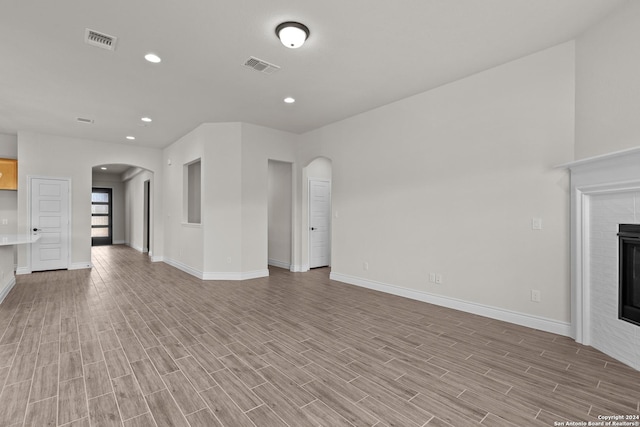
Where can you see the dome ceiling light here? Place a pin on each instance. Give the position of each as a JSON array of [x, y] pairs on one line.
[[292, 34]]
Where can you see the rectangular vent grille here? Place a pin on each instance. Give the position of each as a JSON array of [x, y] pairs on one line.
[[102, 40], [83, 120], [261, 66]]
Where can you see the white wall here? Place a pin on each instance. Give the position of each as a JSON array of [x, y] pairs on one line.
[[134, 208], [184, 242], [222, 201], [607, 84], [56, 156], [212, 249], [8, 146], [259, 145], [448, 181], [280, 203], [114, 182]]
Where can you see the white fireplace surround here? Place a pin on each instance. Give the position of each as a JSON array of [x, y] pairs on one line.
[[605, 190]]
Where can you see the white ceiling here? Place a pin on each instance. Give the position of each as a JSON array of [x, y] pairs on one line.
[[361, 54], [112, 169]]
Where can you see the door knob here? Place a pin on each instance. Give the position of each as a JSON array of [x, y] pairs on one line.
[[36, 229], [313, 228]]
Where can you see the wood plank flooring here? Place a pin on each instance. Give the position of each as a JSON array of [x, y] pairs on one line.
[[134, 343]]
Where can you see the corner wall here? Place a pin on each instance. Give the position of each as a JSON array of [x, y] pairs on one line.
[[231, 243], [134, 209], [183, 241], [448, 182], [259, 145]]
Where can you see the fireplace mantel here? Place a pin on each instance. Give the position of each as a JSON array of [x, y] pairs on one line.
[[602, 159], [614, 179]]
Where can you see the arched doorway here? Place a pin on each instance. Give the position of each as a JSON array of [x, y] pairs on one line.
[[127, 188], [280, 214], [317, 216]]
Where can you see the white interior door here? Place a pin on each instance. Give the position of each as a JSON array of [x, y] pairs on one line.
[[319, 223], [50, 219]]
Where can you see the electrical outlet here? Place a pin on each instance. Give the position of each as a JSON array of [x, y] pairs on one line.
[[365, 266], [5, 221], [536, 223], [535, 295], [439, 279], [432, 277]]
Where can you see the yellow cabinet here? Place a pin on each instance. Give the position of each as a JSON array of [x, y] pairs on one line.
[[8, 174]]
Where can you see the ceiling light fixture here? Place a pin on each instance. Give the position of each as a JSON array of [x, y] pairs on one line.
[[289, 100], [103, 168], [131, 138], [152, 57], [292, 34], [146, 119]]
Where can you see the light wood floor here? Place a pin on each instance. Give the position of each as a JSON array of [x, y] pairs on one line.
[[135, 343]]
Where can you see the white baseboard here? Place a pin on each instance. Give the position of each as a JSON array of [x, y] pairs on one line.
[[280, 264], [22, 270], [184, 267], [215, 275], [137, 248], [156, 258], [244, 275], [73, 266], [299, 268], [522, 319], [118, 242], [7, 288], [80, 265]]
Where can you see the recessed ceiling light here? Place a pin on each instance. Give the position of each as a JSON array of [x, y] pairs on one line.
[[146, 119], [152, 57], [103, 168], [292, 34], [131, 137], [289, 100]]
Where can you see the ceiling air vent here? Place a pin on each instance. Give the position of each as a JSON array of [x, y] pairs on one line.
[[83, 120], [260, 65], [102, 40]]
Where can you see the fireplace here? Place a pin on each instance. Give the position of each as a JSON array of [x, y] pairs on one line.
[[629, 273], [605, 194]]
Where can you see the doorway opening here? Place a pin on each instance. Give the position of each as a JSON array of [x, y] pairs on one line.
[[147, 217], [132, 204], [280, 218], [317, 192]]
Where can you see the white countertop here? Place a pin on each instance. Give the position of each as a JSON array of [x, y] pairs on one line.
[[17, 239]]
